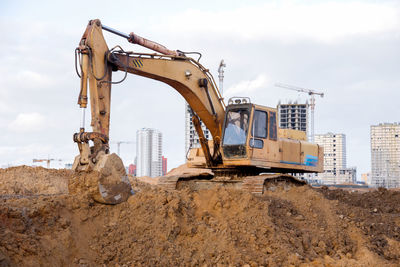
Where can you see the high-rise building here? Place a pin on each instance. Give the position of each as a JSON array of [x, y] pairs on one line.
[[335, 170], [191, 137], [385, 155], [293, 116], [148, 152]]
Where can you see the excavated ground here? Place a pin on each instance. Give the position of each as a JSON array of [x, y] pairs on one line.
[[42, 225]]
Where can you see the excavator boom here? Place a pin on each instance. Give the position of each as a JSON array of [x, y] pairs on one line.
[[97, 62]]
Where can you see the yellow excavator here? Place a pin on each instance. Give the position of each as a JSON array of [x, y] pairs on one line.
[[248, 150]]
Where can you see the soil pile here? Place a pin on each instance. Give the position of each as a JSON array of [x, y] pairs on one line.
[[300, 226], [27, 181]]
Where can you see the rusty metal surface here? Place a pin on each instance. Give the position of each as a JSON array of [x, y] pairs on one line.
[[87, 136], [136, 39], [113, 182]]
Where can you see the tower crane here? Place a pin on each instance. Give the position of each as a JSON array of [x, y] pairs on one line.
[[46, 160], [312, 94], [119, 144], [221, 67]]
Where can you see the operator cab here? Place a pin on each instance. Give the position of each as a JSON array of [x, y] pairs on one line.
[[247, 125]]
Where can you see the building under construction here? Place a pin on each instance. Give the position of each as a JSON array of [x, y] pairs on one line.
[[293, 116], [312, 94]]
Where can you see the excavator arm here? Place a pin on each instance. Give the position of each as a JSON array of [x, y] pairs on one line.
[[184, 74]]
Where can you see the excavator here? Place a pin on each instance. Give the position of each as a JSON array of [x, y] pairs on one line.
[[248, 150]]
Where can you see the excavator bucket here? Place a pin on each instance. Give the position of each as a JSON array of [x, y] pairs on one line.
[[114, 185], [106, 181]]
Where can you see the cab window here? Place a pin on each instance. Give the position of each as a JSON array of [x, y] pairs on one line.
[[236, 127], [272, 126], [260, 122]]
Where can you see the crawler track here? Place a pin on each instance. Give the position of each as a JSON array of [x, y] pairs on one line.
[[257, 184]]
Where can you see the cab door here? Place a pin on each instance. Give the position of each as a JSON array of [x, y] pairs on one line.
[[259, 135], [263, 136], [272, 142]]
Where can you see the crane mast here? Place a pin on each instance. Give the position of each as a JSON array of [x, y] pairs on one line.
[[119, 145], [48, 160], [221, 67], [312, 94]]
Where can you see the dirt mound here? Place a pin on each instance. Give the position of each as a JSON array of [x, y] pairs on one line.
[[376, 213], [26, 180], [298, 227]]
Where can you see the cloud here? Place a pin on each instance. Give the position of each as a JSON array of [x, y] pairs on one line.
[[27, 79], [291, 20], [27, 122], [34, 79], [244, 87]]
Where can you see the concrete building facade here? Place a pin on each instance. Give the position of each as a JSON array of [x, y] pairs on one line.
[[148, 152], [293, 116], [191, 137], [385, 155], [335, 169]]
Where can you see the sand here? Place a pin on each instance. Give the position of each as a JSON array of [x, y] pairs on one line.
[[41, 223]]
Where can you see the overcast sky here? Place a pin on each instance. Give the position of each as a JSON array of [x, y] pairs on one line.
[[347, 49]]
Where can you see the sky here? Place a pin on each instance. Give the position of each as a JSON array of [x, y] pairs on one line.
[[347, 49]]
